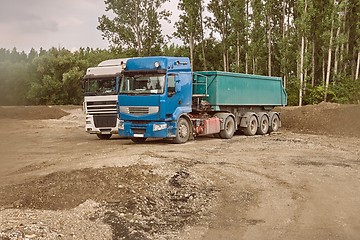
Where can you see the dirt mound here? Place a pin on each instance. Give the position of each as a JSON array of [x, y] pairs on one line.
[[32, 112], [136, 202], [324, 118]]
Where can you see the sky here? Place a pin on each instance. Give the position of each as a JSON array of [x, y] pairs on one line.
[[71, 24]]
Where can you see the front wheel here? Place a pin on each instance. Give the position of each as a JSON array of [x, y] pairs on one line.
[[103, 136], [182, 131], [229, 128]]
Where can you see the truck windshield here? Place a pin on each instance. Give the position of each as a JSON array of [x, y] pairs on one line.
[[100, 86], [143, 84]]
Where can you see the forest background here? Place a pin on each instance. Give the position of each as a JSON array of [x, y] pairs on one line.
[[313, 45]]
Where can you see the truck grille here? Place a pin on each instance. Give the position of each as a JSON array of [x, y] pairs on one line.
[[101, 107], [102, 121], [138, 110]]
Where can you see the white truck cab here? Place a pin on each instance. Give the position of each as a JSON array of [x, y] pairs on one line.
[[100, 97]]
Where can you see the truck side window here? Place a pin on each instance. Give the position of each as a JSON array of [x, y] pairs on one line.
[[171, 85]]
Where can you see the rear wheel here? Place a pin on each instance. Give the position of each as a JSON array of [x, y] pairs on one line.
[[138, 140], [275, 123], [103, 136], [182, 131], [229, 128], [263, 125], [252, 127]]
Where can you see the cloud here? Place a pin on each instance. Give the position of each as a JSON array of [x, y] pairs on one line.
[[16, 16], [36, 27], [22, 18], [52, 23]]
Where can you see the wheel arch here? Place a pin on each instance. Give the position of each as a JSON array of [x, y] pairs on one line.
[[244, 120], [271, 115], [260, 114], [186, 116], [223, 116], [188, 119]]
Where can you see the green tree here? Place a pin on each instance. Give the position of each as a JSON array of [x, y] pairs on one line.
[[14, 77], [189, 27], [240, 34], [136, 25], [257, 49], [59, 78], [220, 23]]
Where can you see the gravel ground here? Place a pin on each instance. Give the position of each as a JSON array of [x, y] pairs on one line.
[[57, 182]]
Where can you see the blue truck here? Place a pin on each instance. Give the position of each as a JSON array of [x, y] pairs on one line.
[[161, 97]]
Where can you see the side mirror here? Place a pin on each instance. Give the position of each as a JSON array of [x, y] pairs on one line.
[[177, 84], [83, 84]]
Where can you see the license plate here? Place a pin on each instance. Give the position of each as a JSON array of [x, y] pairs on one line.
[[138, 135]]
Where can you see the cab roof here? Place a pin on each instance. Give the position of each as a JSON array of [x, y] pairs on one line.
[[159, 63]]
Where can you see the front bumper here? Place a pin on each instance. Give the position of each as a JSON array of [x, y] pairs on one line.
[[92, 129], [147, 129]]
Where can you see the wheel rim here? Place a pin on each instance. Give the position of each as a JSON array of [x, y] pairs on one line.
[[229, 126], [253, 125], [264, 125], [275, 123], [183, 131]]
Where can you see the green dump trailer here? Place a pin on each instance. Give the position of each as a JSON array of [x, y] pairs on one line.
[[250, 99]]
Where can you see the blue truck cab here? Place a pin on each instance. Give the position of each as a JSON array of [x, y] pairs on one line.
[[153, 94]]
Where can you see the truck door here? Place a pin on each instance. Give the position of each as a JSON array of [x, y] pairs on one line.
[[172, 98], [178, 95]]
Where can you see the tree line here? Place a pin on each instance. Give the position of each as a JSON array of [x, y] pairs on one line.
[[46, 76], [313, 45]]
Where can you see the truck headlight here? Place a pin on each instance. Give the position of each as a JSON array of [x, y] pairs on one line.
[[158, 127], [121, 125]]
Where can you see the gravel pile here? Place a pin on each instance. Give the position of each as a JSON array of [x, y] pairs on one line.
[[324, 118], [133, 201]]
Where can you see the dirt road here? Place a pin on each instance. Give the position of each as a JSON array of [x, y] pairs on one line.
[[57, 182]]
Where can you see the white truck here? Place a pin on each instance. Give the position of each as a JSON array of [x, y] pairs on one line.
[[100, 97]]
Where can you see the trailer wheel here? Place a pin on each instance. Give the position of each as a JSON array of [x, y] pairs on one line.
[[252, 127], [229, 128], [263, 125], [103, 136], [182, 131], [275, 123], [138, 140]]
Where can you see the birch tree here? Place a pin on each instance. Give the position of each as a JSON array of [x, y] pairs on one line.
[[302, 25], [220, 23], [239, 24], [358, 43], [332, 16], [190, 25], [258, 37], [136, 25]]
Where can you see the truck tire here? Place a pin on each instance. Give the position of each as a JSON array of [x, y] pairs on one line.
[[263, 127], [103, 136], [182, 131], [252, 126], [138, 140], [229, 128], [274, 123]]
